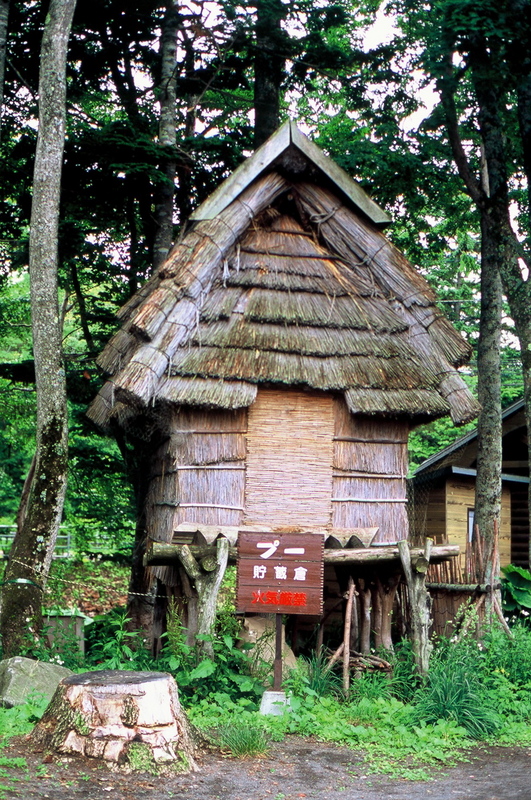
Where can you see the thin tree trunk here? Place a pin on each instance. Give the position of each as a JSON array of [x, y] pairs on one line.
[[34, 543], [167, 135], [268, 68], [489, 462], [4, 14]]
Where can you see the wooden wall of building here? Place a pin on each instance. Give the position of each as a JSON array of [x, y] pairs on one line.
[[460, 497], [520, 524]]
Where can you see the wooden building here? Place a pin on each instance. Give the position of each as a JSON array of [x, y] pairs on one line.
[[278, 359], [443, 492]]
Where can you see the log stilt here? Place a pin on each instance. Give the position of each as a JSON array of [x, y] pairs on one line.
[[133, 719], [386, 593], [207, 581], [346, 636], [419, 602], [364, 593]]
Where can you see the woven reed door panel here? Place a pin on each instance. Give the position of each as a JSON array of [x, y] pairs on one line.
[[289, 459]]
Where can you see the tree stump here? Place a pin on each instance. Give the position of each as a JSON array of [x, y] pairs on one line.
[[133, 719]]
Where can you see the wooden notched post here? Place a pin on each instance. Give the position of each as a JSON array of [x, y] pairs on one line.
[[419, 600], [206, 576]]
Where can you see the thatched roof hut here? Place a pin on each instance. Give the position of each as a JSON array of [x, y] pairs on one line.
[[284, 351]]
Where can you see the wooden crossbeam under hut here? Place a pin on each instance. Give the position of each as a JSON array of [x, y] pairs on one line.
[[160, 554]]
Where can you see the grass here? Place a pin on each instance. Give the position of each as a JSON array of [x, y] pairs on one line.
[[15, 722], [407, 728], [242, 739]]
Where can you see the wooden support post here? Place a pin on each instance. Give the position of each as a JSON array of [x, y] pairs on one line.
[[364, 592], [386, 592], [346, 636], [277, 669], [419, 602], [207, 587]]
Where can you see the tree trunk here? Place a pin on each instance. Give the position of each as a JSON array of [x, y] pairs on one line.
[[4, 14], [167, 136], [489, 460], [129, 718], [34, 543], [268, 68]]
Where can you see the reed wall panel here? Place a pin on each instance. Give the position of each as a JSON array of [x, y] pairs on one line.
[[390, 518], [368, 428], [198, 474], [386, 459], [375, 450], [202, 436], [289, 459]]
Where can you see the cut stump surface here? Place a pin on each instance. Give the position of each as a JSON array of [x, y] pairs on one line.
[[126, 718]]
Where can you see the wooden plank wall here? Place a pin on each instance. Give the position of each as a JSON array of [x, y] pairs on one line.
[[460, 496], [520, 524], [289, 459], [369, 478]]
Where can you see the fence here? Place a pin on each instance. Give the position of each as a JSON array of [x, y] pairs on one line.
[[63, 546]]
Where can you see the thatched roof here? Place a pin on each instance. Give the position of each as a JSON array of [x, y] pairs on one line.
[[291, 282]]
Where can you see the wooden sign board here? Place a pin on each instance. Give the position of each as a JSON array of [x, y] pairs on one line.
[[280, 573]]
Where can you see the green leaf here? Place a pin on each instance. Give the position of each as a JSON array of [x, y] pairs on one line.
[[203, 669]]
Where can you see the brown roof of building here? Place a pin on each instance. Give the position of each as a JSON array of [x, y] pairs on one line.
[[290, 283]]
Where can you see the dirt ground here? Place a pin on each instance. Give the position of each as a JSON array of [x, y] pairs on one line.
[[295, 768]]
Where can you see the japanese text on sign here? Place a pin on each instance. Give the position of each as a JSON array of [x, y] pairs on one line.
[[282, 572]]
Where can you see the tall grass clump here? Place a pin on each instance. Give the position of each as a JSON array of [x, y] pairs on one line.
[[314, 676], [455, 690], [242, 739]]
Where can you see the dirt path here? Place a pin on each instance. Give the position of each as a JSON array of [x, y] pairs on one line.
[[296, 768]]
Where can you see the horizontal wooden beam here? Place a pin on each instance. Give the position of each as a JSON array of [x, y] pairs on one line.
[[161, 554], [480, 588], [383, 553]]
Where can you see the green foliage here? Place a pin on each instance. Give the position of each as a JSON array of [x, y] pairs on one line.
[[111, 645], [96, 584], [370, 686], [312, 676], [516, 589], [20, 720], [229, 675], [453, 692], [62, 647], [405, 679], [508, 659]]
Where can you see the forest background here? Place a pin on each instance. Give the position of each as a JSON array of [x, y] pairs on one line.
[[164, 95]]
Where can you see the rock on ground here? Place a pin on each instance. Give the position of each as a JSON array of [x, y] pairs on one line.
[[20, 677]]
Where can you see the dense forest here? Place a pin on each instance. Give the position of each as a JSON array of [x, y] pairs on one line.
[[164, 100]]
